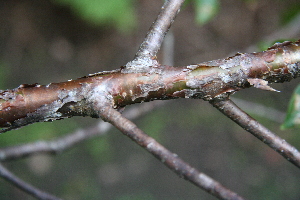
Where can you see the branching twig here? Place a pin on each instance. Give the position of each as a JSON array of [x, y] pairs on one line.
[[10, 177], [170, 159], [159, 29], [231, 110]]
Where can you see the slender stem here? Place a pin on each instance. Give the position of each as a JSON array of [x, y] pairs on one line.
[[10, 177], [159, 29], [66, 142], [52, 147], [170, 159], [231, 110]]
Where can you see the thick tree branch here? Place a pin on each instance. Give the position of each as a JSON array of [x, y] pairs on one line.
[[231, 110], [159, 29], [10, 177], [209, 80], [170, 159]]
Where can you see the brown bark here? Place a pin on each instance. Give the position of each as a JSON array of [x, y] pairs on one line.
[[139, 82]]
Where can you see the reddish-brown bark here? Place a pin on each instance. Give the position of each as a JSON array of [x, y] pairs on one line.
[[134, 84]]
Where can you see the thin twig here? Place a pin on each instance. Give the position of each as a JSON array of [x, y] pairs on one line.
[[170, 159], [159, 29], [231, 110], [35, 192], [52, 147], [64, 143]]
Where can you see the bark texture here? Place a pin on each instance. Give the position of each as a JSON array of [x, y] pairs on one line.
[[215, 79]]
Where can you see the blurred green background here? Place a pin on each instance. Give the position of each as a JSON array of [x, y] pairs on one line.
[[43, 41]]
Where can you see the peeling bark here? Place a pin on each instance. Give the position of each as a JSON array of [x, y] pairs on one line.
[[215, 79]]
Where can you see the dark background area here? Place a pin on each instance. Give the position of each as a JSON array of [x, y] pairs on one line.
[[42, 42]]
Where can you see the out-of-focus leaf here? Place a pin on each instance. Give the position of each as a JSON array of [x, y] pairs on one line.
[[293, 114], [100, 149], [154, 124], [290, 13], [117, 13], [206, 10]]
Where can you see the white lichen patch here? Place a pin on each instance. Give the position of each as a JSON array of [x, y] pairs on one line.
[[47, 112], [98, 92], [146, 88], [192, 67], [292, 57], [155, 70], [189, 93], [99, 95], [231, 63], [141, 65], [226, 78], [198, 82], [8, 96], [68, 96]]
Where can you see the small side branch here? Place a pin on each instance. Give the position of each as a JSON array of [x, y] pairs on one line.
[[170, 159], [10, 177], [231, 110], [159, 29], [55, 146], [64, 143]]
